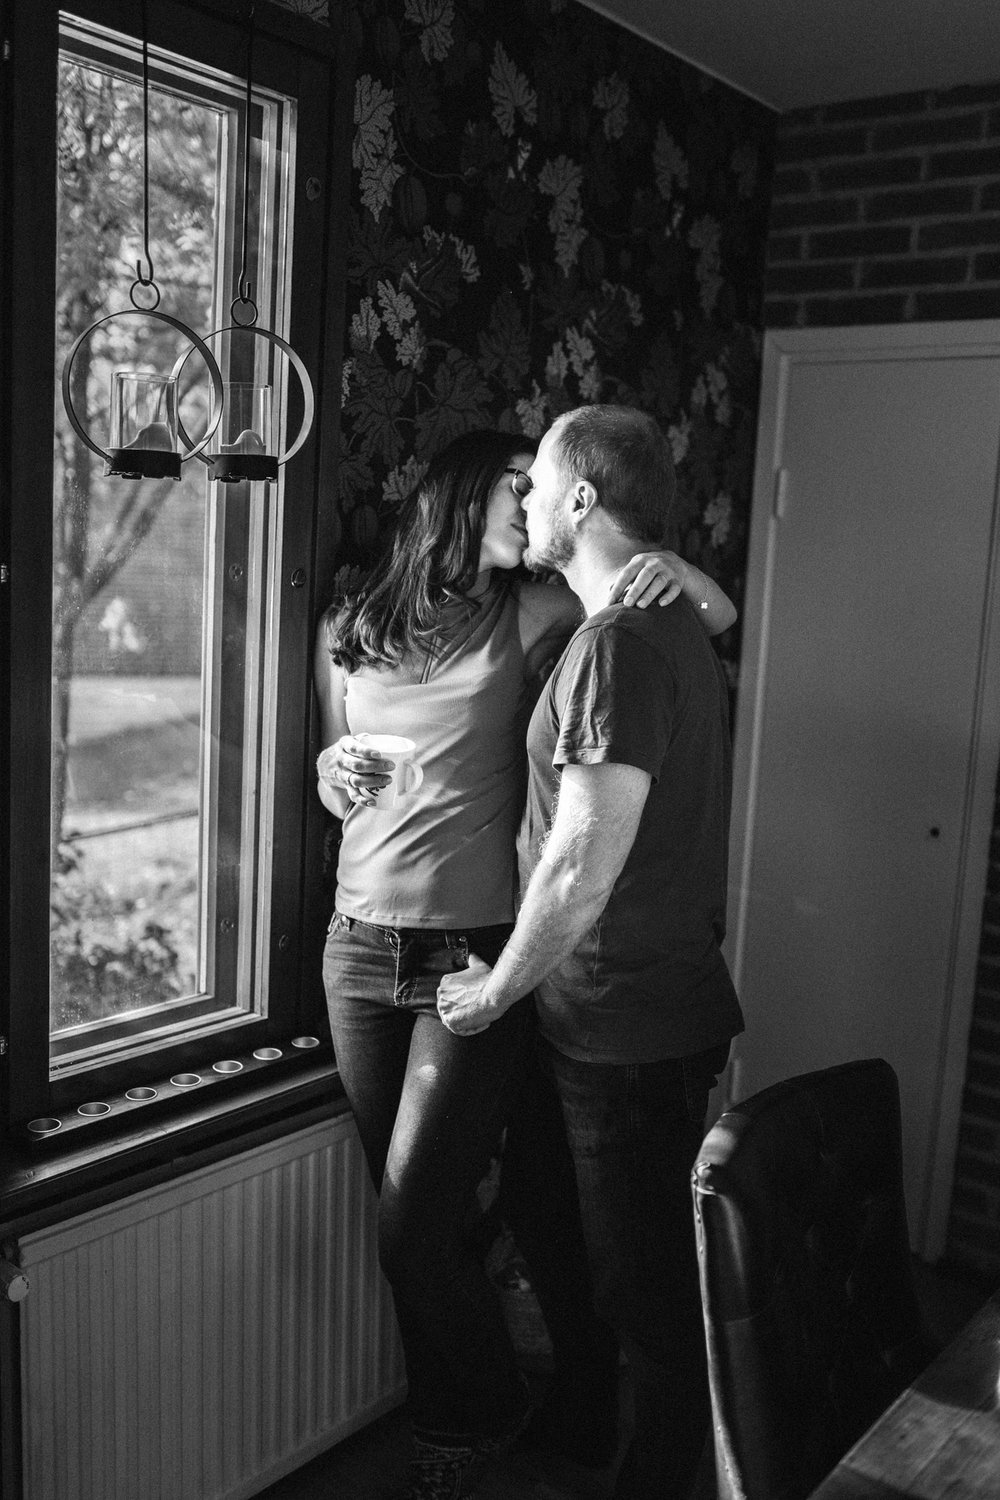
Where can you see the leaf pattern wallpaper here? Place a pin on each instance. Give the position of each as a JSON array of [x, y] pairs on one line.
[[548, 210]]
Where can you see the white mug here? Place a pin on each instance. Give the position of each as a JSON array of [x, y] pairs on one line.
[[407, 775]]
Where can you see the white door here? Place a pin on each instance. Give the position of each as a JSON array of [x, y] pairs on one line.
[[868, 722]]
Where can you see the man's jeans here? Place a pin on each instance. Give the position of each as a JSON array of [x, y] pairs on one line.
[[634, 1132], [430, 1107]]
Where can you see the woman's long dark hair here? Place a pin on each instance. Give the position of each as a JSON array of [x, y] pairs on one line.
[[431, 557]]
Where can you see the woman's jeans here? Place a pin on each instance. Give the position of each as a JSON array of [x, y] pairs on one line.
[[634, 1133], [430, 1108]]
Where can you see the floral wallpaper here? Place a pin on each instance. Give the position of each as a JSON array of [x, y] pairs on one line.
[[316, 10], [548, 210]]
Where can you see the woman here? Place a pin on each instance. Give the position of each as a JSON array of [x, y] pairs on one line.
[[446, 645]]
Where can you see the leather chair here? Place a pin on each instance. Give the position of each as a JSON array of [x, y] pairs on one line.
[[811, 1317]]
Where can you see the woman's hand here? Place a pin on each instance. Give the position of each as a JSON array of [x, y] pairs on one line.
[[648, 578], [354, 770], [659, 577]]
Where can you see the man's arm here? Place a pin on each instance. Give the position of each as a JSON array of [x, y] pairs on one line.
[[596, 820]]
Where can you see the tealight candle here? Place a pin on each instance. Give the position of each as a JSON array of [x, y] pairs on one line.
[[154, 436], [247, 442]]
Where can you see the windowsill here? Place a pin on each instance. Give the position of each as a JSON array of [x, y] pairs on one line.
[[43, 1183]]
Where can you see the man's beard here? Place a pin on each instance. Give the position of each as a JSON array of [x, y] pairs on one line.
[[557, 552]]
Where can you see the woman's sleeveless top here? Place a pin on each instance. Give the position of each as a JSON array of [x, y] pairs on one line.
[[445, 856]]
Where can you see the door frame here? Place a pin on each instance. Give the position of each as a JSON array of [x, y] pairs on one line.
[[783, 348]]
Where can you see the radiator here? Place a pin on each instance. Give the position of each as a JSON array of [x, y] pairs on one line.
[[200, 1340]]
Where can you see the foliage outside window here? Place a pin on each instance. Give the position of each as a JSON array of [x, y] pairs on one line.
[[128, 567]]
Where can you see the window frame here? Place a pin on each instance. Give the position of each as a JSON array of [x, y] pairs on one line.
[[242, 528], [299, 60]]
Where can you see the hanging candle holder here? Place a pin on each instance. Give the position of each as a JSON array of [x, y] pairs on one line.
[[145, 422], [249, 449]]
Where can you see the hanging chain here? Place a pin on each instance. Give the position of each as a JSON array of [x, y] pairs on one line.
[[140, 279], [244, 288]]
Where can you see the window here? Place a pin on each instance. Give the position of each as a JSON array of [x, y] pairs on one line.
[[159, 630], [158, 867]]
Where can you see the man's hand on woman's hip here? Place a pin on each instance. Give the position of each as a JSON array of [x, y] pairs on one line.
[[461, 1003]]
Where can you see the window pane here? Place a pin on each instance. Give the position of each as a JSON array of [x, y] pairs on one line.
[[159, 586]]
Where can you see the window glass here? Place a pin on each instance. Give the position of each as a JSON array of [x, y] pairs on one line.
[[161, 646]]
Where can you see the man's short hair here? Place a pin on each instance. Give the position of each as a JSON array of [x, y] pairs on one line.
[[624, 454]]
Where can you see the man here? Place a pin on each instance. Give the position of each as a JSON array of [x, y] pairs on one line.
[[623, 868]]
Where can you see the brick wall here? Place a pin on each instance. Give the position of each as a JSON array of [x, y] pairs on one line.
[[888, 211]]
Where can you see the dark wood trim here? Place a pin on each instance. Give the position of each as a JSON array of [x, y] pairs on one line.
[[338, 197], [11, 1464], [284, 25], [41, 1186], [295, 961], [28, 412], [6, 485], [321, 828], [270, 20]]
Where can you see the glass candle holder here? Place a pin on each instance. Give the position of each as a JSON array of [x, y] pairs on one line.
[[143, 426], [245, 436]]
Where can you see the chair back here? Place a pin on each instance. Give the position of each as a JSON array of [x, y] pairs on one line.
[[811, 1317]]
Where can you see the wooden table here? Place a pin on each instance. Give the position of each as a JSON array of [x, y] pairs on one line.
[[941, 1439]]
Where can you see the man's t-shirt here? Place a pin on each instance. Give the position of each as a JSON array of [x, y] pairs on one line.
[[642, 688]]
